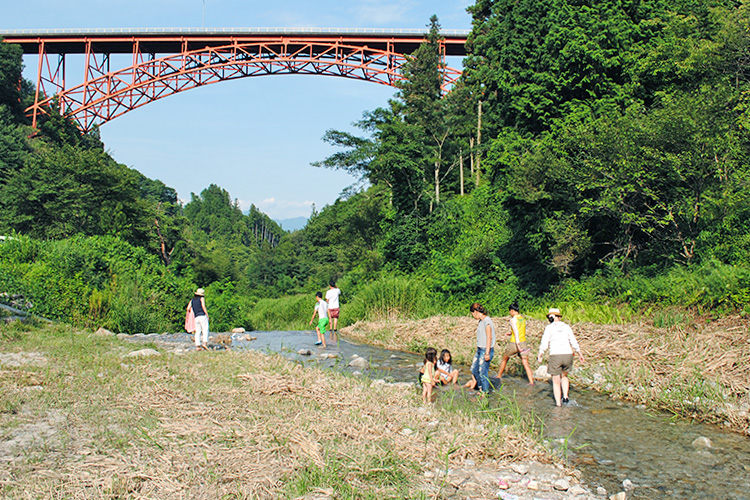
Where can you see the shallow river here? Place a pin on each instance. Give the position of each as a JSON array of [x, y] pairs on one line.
[[608, 441]]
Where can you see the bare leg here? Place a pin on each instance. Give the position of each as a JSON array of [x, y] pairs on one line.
[[501, 370], [565, 383], [556, 389], [527, 367], [453, 378]]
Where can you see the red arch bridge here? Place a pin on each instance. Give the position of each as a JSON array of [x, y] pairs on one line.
[[120, 70]]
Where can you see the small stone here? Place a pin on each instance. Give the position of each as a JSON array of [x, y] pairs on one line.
[[533, 485], [601, 491], [520, 468], [561, 485], [429, 474], [406, 431], [304, 352], [541, 373], [576, 490], [143, 353], [238, 330], [702, 441], [628, 485], [619, 496]]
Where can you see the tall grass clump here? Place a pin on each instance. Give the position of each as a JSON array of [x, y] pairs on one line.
[[392, 298], [286, 313]]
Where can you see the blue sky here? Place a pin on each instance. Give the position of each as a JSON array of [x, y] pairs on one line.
[[254, 137]]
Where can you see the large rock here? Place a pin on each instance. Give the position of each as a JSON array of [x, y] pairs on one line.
[[238, 330], [103, 332], [360, 363]]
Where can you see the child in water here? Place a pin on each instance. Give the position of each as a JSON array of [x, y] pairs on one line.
[[445, 372], [321, 309], [428, 374]]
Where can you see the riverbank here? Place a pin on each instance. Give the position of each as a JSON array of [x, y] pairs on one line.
[[93, 416], [697, 370]]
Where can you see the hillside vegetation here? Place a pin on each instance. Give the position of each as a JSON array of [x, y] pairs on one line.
[[594, 154]]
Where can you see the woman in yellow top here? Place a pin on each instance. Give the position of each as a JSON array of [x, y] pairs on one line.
[[517, 345]]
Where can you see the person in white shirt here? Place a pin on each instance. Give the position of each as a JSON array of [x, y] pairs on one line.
[[558, 337], [332, 297], [321, 309]]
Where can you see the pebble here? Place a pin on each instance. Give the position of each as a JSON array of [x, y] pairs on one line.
[[702, 441], [619, 496], [628, 485], [576, 490], [520, 468], [304, 352], [561, 485], [601, 491], [144, 353], [533, 485]]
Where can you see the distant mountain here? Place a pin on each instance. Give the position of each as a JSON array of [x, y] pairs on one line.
[[291, 224]]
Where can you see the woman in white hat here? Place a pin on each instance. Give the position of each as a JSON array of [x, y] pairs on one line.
[[198, 307], [561, 341]]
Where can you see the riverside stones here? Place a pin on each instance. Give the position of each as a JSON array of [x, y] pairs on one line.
[[103, 332]]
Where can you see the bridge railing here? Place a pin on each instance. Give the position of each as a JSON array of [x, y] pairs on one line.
[[224, 31]]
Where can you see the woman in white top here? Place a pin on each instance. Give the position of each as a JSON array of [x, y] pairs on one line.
[[559, 339]]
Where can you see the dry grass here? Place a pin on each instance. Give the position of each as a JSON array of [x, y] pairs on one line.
[[224, 425], [698, 370]]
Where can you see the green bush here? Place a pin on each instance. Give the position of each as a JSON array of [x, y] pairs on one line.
[[286, 313], [392, 298]]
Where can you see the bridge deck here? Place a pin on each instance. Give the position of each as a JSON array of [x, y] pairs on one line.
[[173, 41]]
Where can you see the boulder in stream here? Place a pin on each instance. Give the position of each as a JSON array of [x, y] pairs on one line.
[[360, 363]]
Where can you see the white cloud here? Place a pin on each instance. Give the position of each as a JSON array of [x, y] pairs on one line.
[[281, 209]]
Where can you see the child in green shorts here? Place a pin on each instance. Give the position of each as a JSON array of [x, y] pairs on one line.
[[321, 309]]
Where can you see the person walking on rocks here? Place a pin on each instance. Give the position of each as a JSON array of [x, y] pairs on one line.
[[480, 365], [517, 344], [197, 306], [558, 337], [321, 309], [332, 297]]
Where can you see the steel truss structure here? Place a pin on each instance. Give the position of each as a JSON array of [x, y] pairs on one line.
[[166, 63]]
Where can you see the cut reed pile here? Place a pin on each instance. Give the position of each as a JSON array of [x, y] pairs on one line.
[[223, 425], [699, 369]]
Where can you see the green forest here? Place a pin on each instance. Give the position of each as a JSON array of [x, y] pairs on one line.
[[594, 154]]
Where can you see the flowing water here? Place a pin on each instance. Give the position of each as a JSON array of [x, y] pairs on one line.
[[608, 441]]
